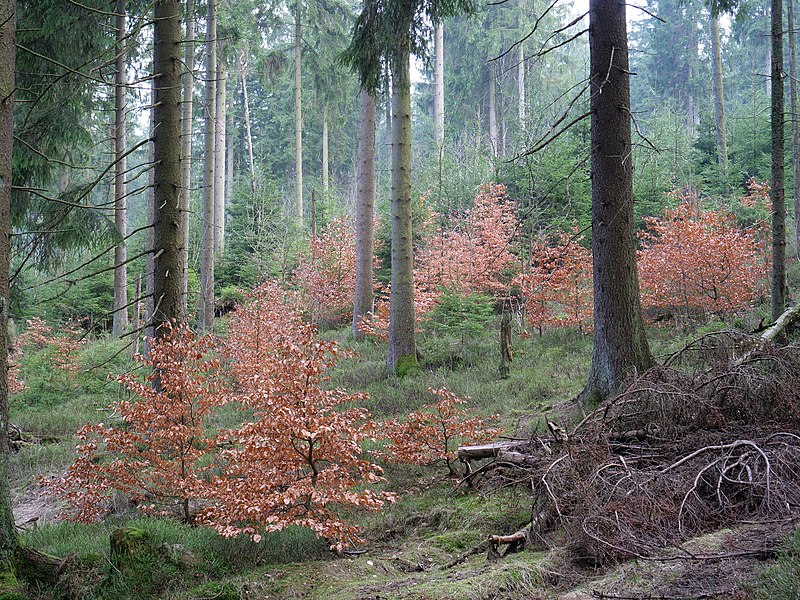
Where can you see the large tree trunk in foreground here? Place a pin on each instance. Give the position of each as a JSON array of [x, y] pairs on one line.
[[620, 345], [8, 534], [168, 266], [120, 321], [186, 144], [778, 296], [719, 97], [206, 308], [402, 342], [365, 212]]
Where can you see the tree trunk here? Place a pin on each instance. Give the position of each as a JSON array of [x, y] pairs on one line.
[[365, 212], [387, 107], [795, 127], [150, 238], [438, 89], [248, 131], [120, 321], [231, 135], [137, 315], [778, 296], [220, 154], [8, 534], [298, 115], [719, 97], [492, 108], [168, 268], [402, 344], [620, 345], [325, 165], [523, 122], [206, 309], [186, 144]]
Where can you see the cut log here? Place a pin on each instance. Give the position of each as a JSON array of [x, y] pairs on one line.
[[467, 453], [789, 317]]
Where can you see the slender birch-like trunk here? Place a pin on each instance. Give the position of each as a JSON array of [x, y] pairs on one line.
[[220, 153], [438, 88], [298, 115]]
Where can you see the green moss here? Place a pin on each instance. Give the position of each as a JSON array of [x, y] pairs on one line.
[[9, 586], [407, 365]]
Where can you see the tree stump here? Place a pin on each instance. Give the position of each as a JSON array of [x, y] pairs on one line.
[[506, 353]]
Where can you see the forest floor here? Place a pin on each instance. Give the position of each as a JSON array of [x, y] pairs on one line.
[[409, 546]]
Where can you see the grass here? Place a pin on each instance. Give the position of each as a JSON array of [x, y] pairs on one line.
[[430, 525]]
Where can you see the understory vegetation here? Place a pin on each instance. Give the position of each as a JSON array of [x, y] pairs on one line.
[[432, 542]]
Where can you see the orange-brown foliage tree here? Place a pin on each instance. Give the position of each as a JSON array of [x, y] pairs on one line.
[[431, 435], [300, 460], [699, 264], [326, 276], [160, 452], [557, 286]]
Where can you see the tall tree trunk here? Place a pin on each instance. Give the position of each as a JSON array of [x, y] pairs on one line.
[[206, 308], [186, 143], [298, 115], [365, 212], [168, 268], [402, 343], [137, 315], [230, 141], [778, 296], [120, 321], [248, 132], [492, 108], [150, 238], [9, 543], [523, 121], [438, 89], [325, 165], [795, 126], [719, 97], [220, 153], [387, 107], [620, 345]]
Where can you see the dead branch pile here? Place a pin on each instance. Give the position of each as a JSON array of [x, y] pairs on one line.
[[679, 452]]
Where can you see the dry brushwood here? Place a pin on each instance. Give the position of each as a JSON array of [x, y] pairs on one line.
[[675, 454]]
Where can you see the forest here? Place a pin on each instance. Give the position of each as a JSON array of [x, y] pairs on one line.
[[399, 299]]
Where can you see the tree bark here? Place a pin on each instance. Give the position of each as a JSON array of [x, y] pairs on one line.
[[120, 321], [167, 267], [206, 308], [248, 132], [778, 296], [298, 115], [492, 108], [402, 353], [9, 543], [620, 345], [795, 126], [523, 121], [186, 144], [719, 97], [365, 212], [220, 154], [438, 89], [325, 164]]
